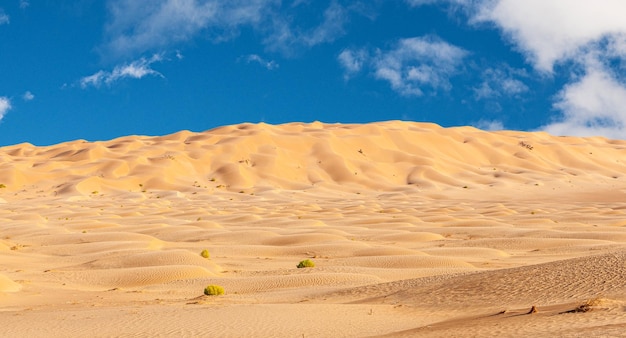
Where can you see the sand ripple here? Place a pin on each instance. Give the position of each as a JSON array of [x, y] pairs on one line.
[[415, 230]]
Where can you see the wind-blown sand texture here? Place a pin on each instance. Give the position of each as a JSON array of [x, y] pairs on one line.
[[415, 230]]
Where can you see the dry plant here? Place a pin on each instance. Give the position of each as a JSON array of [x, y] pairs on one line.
[[307, 263], [213, 290]]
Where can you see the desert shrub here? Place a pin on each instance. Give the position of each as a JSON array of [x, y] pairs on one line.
[[205, 253], [213, 290], [307, 263], [2, 186]]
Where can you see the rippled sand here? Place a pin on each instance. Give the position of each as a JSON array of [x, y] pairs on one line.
[[415, 230]]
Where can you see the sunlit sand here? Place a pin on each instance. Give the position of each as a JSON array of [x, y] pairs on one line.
[[414, 229]]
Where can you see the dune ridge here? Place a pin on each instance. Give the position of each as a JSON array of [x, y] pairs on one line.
[[415, 229], [383, 156]]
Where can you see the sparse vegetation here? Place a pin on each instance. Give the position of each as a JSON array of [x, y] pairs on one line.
[[307, 263], [2, 186], [205, 253], [213, 290]]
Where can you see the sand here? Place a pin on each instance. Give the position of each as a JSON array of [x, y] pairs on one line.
[[414, 229]]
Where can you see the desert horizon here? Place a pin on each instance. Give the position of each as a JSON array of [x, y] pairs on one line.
[[413, 229]]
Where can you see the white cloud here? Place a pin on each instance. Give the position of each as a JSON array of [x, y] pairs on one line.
[[490, 125], [588, 38], [28, 96], [137, 26], [335, 17], [616, 47], [24, 4], [594, 105], [411, 65], [285, 37], [500, 81], [136, 70], [4, 19], [418, 62], [352, 60], [552, 31], [5, 106], [269, 65]]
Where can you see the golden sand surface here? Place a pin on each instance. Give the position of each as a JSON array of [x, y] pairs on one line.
[[414, 229]]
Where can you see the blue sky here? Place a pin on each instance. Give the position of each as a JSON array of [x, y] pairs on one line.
[[97, 70]]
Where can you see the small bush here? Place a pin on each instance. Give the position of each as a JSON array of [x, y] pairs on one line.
[[2, 186], [307, 263], [213, 290], [205, 253]]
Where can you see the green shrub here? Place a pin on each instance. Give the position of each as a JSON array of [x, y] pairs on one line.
[[307, 263], [205, 253], [213, 290]]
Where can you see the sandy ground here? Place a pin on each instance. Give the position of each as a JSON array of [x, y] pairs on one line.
[[415, 230]]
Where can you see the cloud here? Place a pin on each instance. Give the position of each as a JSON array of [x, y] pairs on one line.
[[5, 106], [28, 96], [269, 65], [335, 17], [551, 31], [135, 70], [489, 125], [24, 4], [136, 26], [410, 66], [4, 19], [285, 37], [584, 38], [594, 105], [499, 82], [352, 61], [418, 62]]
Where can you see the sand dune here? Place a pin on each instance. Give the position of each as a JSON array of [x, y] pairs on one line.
[[415, 230]]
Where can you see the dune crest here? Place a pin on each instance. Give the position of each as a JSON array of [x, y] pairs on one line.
[[380, 156], [414, 230]]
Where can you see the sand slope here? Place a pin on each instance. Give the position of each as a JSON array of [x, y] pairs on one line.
[[415, 230], [383, 156]]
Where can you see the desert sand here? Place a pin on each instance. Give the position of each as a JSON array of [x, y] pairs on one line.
[[414, 229]]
